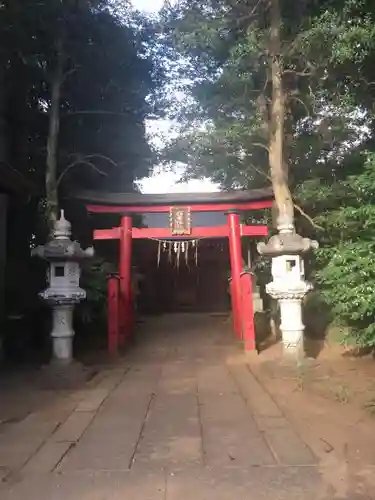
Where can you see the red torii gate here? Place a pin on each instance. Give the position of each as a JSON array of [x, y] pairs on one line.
[[120, 300]]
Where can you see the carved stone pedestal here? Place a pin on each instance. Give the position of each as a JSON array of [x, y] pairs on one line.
[[62, 332], [290, 298]]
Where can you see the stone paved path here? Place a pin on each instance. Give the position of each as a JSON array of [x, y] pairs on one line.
[[181, 417]]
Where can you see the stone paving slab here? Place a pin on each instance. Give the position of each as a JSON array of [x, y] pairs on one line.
[[93, 400], [32, 427], [88, 486], [46, 458], [266, 483], [110, 441], [217, 483], [39, 442], [4, 471], [16, 403], [172, 433], [14, 456], [112, 378], [230, 434], [286, 445], [73, 428], [178, 377], [100, 455], [261, 403], [22, 440], [212, 378], [61, 410]]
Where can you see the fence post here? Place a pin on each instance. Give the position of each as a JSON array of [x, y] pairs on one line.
[[113, 317], [247, 312]]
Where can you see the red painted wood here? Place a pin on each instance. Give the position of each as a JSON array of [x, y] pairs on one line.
[[199, 232], [236, 326], [126, 316], [207, 207], [107, 234], [113, 315], [254, 230], [235, 252], [164, 233], [247, 316]]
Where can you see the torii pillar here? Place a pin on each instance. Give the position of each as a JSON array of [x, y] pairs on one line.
[[126, 308], [235, 251]]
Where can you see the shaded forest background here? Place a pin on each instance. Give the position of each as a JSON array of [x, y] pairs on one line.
[[78, 80], [204, 65]]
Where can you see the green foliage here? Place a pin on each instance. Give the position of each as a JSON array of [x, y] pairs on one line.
[[223, 122], [339, 36], [93, 310], [345, 263]]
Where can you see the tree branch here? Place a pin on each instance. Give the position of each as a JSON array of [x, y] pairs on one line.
[[307, 217], [260, 145], [295, 98], [260, 172], [255, 8], [297, 73], [68, 73], [80, 161], [95, 112], [103, 157], [251, 13]]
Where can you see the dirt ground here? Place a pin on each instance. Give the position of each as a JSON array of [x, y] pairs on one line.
[[336, 373], [330, 400]]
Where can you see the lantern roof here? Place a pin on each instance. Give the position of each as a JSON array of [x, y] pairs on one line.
[[286, 243], [60, 247]]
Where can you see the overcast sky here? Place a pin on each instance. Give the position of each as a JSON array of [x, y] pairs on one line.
[[167, 182], [148, 5]]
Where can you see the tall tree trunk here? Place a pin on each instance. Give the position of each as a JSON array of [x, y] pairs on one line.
[[278, 165], [53, 138]]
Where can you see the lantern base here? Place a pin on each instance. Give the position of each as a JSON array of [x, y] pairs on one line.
[[62, 332], [290, 296]]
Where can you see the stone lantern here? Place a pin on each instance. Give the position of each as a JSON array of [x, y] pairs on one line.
[[63, 292], [289, 286]]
